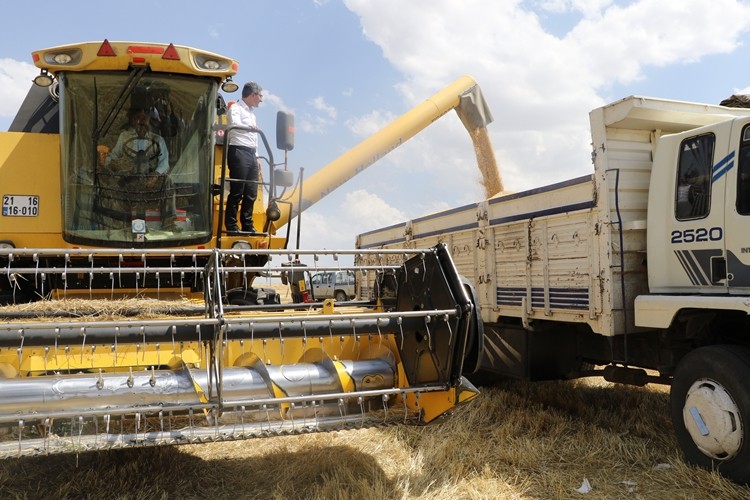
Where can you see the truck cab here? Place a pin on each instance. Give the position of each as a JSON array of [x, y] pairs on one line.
[[337, 285], [696, 239]]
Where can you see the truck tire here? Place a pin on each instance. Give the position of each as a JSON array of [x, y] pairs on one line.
[[710, 407], [340, 296], [475, 343]]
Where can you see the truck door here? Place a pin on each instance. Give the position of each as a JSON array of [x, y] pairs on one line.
[[737, 199], [322, 286], [697, 231]]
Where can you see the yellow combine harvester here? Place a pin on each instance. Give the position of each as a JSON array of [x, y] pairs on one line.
[[84, 218]]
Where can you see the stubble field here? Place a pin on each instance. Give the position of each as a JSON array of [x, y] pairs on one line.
[[518, 440]]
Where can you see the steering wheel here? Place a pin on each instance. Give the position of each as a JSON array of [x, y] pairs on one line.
[[150, 153]]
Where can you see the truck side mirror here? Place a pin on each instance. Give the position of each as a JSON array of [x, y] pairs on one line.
[[284, 131]]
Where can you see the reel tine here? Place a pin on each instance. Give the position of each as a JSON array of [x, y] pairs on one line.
[[20, 436], [429, 335], [91, 275], [361, 402], [145, 268], [83, 343], [35, 258], [47, 426], [406, 407], [400, 323], [20, 347], [171, 266], [65, 274]]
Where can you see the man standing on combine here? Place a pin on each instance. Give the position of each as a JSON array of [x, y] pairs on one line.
[[242, 160]]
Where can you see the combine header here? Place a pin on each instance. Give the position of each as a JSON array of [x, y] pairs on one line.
[[212, 371], [128, 317]]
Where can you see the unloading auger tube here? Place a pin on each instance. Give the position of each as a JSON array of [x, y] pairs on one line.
[[213, 372], [464, 95]]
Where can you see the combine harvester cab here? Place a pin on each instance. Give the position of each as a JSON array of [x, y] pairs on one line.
[[104, 373]]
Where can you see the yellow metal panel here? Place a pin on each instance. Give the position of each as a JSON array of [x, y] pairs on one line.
[[137, 53], [30, 165]]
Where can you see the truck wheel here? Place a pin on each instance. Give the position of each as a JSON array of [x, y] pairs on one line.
[[475, 342], [340, 296], [710, 406]]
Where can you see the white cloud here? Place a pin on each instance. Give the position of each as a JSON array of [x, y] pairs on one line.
[[652, 32], [320, 104], [370, 210], [357, 211], [589, 8], [320, 123], [15, 80], [313, 124], [275, 101], [367, 125], [539, 86]]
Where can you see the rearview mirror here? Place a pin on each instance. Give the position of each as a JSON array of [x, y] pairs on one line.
[[284, 131]]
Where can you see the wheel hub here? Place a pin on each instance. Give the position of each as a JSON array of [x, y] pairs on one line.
[[713, 419]]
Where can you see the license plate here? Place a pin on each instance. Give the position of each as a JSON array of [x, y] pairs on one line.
[[20, 205]]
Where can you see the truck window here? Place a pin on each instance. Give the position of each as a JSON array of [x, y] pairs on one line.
[[743, 174], [693, 196]]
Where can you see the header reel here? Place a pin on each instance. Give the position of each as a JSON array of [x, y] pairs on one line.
[[212, 372]]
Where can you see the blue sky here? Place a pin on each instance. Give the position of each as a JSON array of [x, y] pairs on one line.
[[346, 68]]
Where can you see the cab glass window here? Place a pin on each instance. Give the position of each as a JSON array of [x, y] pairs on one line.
[[137, 158], [743, 174], [693, 195]]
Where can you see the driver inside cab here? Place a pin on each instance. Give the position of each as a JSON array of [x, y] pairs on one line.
[[145, 151]]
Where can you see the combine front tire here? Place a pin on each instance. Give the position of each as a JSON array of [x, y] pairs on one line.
[[710, 406], [252, 296]]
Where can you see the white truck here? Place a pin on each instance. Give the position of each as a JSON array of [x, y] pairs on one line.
[[337, 285], [639, 273]]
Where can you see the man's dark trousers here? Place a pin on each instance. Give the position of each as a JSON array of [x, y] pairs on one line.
[[243, 165]]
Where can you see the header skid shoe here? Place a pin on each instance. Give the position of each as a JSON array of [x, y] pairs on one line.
[[106, 375]]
